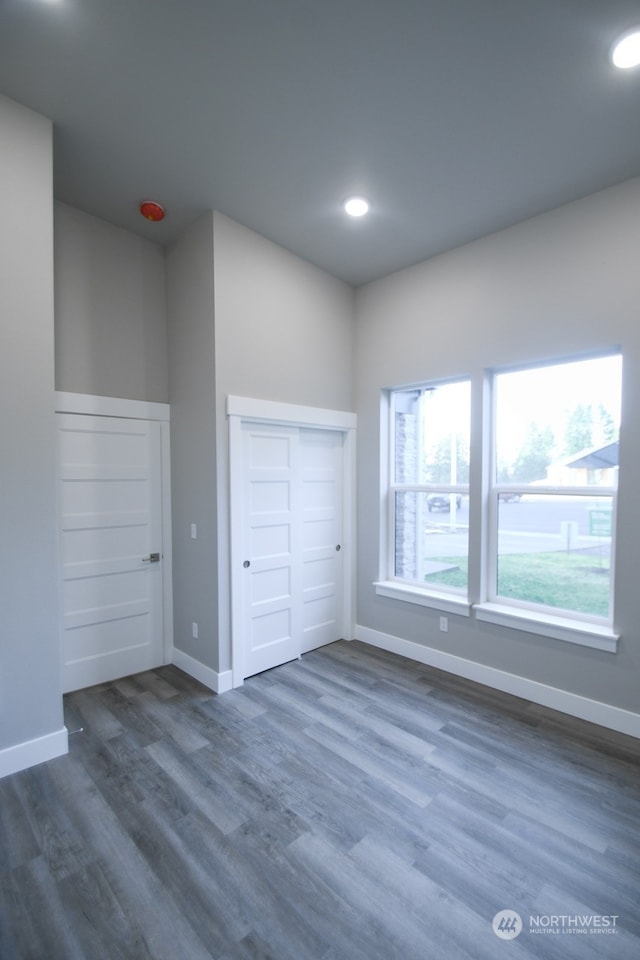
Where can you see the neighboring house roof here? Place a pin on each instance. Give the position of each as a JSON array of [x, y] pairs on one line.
[[595, 458]]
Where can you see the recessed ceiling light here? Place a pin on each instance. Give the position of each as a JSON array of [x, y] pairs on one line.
[[356, 206], [626, 51]]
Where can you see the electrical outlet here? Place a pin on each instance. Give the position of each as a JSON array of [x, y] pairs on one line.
[[444, 624], [194, 631]]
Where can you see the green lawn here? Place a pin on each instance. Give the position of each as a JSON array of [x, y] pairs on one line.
[[571, 581]]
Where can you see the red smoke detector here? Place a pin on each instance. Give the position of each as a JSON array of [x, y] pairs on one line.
[[151, 210]]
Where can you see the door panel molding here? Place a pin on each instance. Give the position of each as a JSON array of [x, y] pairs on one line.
[[289, 414], [242, 410], [111, 407]]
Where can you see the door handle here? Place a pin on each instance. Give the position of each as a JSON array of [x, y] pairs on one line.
[[152, 558]]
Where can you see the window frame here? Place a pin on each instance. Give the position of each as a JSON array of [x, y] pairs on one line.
[[493, 553], [446, 599], [482, 601], [561, 623]]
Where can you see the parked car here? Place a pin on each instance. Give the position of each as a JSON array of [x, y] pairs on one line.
[[509, 497], [442, 501]]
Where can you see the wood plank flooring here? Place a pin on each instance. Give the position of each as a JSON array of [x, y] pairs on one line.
[[352, 805]]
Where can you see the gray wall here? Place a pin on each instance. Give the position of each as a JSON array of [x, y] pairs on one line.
[[243, 316], [111, 337], [284, 328], [190, 311], [248, 318], [284, 331], [560, 284], [30, 674]]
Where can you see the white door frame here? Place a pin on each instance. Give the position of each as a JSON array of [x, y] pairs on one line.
[[246, 409], [84, 403]]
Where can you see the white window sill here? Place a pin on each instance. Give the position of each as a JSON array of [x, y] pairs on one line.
[[437, 600], [597, 636], [600, 637]]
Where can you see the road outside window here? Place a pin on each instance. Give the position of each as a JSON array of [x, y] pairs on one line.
[[554, 489]]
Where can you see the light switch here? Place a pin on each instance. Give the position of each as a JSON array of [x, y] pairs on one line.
[[194, 532]]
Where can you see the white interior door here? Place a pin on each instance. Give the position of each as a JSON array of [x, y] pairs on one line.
[[271, 576], [321, 473], [110, 532], [291, 542]]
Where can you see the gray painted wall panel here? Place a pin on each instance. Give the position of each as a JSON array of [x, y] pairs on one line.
[[561, 284], [30, 673], [284, 331], [111, 335], [248, 318], [190, 311]]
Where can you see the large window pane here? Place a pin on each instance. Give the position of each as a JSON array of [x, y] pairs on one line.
[[556, 552], [557, 428], [431, 434], [430, 452], [432, 539], [559, 424]]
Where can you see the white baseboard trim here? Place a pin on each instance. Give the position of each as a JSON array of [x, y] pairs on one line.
[[614, 718], [28, 754], [218, 682]]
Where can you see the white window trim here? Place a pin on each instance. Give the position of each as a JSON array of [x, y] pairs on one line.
[[599, 634], [570, 626], [424, 597], [569, 629]]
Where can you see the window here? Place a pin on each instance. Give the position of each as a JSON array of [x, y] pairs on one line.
[[543, 525], [429, 485], [553, 496]]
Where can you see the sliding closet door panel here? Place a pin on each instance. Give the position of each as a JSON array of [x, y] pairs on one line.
[[288, 579], [271, 574], [321, 472]]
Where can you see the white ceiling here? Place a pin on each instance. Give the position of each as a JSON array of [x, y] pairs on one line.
[[455, 117]]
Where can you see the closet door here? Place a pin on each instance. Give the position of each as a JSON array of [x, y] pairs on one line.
[[321, 472], [291, 527], [271, 586]]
